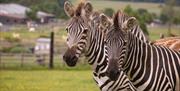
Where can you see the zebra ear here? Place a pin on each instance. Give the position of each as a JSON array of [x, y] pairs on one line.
[[69, 9], [94, 15], [129, 23], [104, 21], [88, 9]]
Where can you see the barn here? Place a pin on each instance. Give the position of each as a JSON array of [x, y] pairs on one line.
[[16, 14]]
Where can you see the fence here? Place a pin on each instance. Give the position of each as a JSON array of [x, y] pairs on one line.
[[31, 61], [24, 60]]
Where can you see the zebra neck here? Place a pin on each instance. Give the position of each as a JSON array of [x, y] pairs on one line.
[[137, 31], [96, 52], [133, 44]]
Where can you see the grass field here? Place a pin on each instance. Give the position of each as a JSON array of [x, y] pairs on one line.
[[154, 32], [47, 80], [32, 77]]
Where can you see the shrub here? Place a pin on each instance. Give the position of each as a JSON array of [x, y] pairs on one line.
[[142, 16], [109, 12], [19, 49], [11, 39], [44, 36]]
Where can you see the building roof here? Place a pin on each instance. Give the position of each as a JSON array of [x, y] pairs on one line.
[[43, 40], [18, 11], [13, 10]]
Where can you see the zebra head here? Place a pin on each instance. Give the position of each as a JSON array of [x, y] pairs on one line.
[[116, 41], [77, 31]]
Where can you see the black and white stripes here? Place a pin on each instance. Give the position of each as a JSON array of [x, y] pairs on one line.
[[87, 37], [149, 67]]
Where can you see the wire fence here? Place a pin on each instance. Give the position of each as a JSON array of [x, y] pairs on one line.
[[18, 61], [8, 60]]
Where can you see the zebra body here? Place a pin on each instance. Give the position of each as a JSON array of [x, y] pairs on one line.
[[149, 67], [148, 64], [96, 54]]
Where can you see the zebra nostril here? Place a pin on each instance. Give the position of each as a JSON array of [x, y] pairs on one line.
[[117, 72], [64, 57]]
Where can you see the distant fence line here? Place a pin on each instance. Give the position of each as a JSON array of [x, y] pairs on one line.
[[26, 59]]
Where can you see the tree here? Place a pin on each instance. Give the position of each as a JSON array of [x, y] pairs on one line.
[[32, 14], [129, 10], [53, 8], [146, 16], [168, 12], [140, 17]]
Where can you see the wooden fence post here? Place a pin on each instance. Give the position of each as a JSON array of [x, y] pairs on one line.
[[51, 51], [22, 59], [0, 60]]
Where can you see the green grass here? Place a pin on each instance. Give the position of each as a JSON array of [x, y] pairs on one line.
[[154, 33], [46, 80]]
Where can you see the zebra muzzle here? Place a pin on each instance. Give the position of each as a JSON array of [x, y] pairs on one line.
[[70, 58]]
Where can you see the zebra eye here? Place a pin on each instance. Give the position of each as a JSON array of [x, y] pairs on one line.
[[66, 29], [67, 39], [85, 30], [105, 42]]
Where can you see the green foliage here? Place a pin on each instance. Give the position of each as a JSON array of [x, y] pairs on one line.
[[164, 18], [12, 39], [53, 8], [176, 20], [129, 10], [169, 14], [142, 15], [50, 6], [19, 49], [109, 12], [44, 36], [144, 27], [146, 16], [32, 14], [5, 49], [15, 49]]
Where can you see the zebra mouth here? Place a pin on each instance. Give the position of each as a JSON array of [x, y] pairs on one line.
[[113, 74], [70, 61], [114, 77]]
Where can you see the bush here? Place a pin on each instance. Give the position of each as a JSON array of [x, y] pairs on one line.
[[176, 20], [5, 49], [44, 36], [54, 8], [11, 39], [142, 16], [15, 49], [164, 18], [109, 12], [146, 16], [19, 49], [32, 14]]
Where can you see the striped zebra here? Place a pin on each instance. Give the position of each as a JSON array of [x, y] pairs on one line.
[[149, 67], [86, 37]]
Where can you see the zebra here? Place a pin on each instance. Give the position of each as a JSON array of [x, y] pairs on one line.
[[149, 67], [83, 38]]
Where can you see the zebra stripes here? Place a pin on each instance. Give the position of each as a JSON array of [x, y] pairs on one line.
[[149, 67], [88, 39]]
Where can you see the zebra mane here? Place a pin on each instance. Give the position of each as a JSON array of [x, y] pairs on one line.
[[122, 17], [79, 8], [116, 21]]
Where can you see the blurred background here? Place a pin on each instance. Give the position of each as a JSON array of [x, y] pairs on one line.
[[27, 28]]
